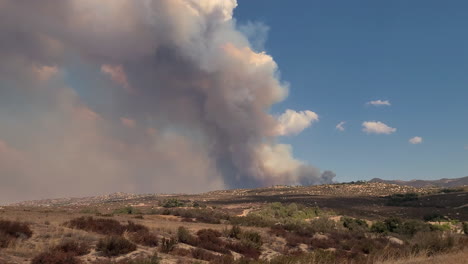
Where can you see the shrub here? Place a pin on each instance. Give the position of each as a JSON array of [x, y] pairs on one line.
[[167, 245], [355, 224], [323, 225], [56, 257], [145, 238], [73, 247], [184, 236], [12, 230], [434, 217], [245, 249], [132, 227], [252, 239], [432, 242], [102, 226], [465, 228], [126, 210], [379, 227], [451, 190], [202, 254], [393, 223], [97, 225], [173, 202], [201, 215], [114, 246], [235, 232], [209, 239], [411, 227], [401, 199]]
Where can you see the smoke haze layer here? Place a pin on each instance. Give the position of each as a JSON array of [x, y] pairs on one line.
[[139, 96]]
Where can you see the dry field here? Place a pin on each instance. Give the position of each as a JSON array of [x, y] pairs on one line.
[[343, 223]]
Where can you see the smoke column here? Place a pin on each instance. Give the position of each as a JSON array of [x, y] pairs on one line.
[[139, 96]]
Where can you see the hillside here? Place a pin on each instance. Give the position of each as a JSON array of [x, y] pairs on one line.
[[442, 183]]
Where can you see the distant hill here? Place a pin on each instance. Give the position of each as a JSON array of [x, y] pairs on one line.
[[444, 183]]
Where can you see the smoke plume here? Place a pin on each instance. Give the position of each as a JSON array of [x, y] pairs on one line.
[[138, 96]]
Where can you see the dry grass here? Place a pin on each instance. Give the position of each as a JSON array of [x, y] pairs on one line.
[[460, 257]]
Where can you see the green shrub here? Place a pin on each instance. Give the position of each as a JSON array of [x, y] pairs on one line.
[[184, 236], [465, 228], [411, 227], [379, 227], [401, 199], [451, 190], [173, 202], [252, 239], [114, 246], [392, 223], [355, 224], [434, 217]]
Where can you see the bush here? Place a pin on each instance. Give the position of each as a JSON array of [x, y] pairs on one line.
[[12, 230], [252, 239], [401, 199], [205, 255], [132, 227], [73, 247], [56, 257], [434, 217], [97, 225], [145, 238], [393, 223], [235, 232], [114, 246], [465, 228], [126, 210], [379, 227], [102, 226], [355, 224], [451, 190], [210, 239], [184, 236], [167, 245], [173, 202], [411, 227], [432, 242]]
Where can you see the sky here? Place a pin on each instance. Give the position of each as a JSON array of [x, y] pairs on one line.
[[187, 96], [339, 55]]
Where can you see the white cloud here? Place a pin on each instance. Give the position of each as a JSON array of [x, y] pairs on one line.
[[292, 122], [340, 126], [379, 103], [416, 140], [373, 127]]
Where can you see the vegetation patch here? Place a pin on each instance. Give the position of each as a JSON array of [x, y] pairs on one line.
[[114, 246], [12, 230]]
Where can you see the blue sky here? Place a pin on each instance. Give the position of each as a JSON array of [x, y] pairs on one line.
[[338, 55]]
